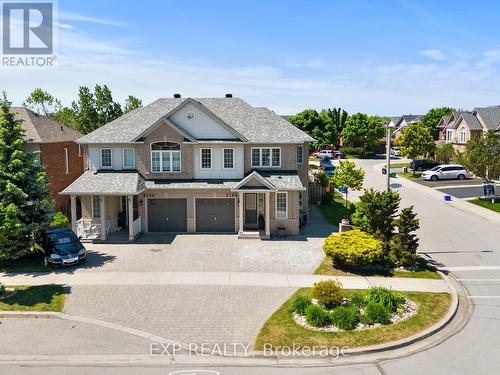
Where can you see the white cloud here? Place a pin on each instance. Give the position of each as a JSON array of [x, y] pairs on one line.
[[315, 63], [434, 54], [69, 16]]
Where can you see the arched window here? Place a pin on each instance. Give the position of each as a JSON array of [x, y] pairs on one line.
[[165, 157], [462, 135]]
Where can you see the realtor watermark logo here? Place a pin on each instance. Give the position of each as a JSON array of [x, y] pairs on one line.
[[28, 34]]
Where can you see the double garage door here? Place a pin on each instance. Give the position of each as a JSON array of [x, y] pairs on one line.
[[170, 215]]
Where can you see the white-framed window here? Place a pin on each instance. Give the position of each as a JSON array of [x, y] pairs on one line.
[[96, 207], [266, 157], [449, 135], [206, 158], [228, 156], [128, 158], [300, 154], [165, 157], [462, 135], [66, 160], [106, 158], [282, 205]]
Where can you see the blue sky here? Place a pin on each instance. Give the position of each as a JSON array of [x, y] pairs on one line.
[[379, 57]]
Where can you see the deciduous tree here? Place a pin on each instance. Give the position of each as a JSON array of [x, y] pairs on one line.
[[431, 119], [363, 131], [482, 156], [416, 140], [347, 176]]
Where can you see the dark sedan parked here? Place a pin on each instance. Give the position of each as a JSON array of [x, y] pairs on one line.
[[422, 164], [61, 247]]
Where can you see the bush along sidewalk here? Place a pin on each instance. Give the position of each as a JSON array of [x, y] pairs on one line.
[[382, 241]]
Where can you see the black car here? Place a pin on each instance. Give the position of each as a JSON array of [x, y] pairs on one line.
[[422, 164], [61, 247]]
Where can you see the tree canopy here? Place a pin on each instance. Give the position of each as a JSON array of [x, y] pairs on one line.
[[347, 176], [362, 130], [416, 140], [482, 156], [431, 119]]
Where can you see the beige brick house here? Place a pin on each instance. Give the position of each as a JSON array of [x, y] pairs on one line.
[[195, 165]]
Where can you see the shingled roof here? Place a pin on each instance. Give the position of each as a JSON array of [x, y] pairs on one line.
[[42, 129], [256, 124], [489, 115]]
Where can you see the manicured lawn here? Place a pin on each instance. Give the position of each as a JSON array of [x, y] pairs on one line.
[[27, 264], [337, 210], [426, 272], [281, 329], [410, 175], [35, 298], [487, 204]]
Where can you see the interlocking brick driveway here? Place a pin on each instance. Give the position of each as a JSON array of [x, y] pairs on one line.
[[216, 314]]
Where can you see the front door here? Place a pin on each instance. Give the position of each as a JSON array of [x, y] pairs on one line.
[[251, 210]]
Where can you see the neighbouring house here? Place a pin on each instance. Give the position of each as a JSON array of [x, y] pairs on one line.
[[192, 165], [446, 127], [54, 147], [461, 126], [403, 122]]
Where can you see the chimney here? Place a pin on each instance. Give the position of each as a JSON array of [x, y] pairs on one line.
[[177, 96], [229, 95]]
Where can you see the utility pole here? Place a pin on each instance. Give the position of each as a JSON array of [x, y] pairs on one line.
[[388, 156]]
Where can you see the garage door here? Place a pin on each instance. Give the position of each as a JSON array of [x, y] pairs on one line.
[[167, 215], [215, 215]]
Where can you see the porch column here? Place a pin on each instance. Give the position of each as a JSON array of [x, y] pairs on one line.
[[268, 215], [73, 213], [103, 218], [241, 210], [131, 234]]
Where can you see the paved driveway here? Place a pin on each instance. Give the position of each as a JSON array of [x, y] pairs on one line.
[[215, 253]]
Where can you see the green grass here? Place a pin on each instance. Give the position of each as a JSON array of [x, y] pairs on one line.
[[27, 264], [313, 167], [487, 204], [426, 272], [35, 298], [313, 159], [410, 175], [281, 330], [397, 165], [334, 212]]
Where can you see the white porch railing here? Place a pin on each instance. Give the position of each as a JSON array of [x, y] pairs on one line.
[[137, 226], [88, 230]]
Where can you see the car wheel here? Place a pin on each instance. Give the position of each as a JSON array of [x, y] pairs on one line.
[[434, 178], [461, 177]]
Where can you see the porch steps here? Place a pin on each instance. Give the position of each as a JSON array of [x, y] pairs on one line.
[[249, 235]]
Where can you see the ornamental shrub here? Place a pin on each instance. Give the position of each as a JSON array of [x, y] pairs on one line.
[[328, 293], [353, 248], [390, 300], [299, 304], [59, 220], [345, 317], [375, 313], [358, 300], [316, 316]]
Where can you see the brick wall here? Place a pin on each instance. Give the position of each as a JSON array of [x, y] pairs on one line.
[[52, 156]]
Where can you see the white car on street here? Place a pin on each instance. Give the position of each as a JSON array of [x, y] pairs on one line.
[[395, 151], [324, 153], [446, 172]]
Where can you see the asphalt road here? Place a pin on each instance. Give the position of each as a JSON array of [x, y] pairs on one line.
[[468, 244], [466, 191]]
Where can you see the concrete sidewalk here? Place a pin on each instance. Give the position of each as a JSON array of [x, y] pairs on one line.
[[277, 280]]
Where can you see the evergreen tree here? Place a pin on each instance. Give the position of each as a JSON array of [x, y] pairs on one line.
[[404, 245], [132, 103], [24, 195]]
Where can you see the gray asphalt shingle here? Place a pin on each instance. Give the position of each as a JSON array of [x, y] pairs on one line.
[[106, 183]]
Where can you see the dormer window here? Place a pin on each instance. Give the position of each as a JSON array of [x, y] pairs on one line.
[[165, 157]]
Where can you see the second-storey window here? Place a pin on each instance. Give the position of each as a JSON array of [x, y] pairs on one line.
[[165, 157], [106, 158], [266, 157], [300, 155], [128, 158], [206, 158], [228, 158], [462, 135]]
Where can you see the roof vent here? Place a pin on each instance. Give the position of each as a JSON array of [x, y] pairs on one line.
[[177, 96], [229, 95]]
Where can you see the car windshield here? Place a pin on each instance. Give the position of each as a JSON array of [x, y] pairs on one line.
[[435, 169], [62, 238]]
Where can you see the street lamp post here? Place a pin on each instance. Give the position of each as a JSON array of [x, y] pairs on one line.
[[388, 155]]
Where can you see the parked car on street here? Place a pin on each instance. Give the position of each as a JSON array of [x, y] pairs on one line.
[[422, 164], [61, 247], [446, 172], [323, 153], [395, 151]]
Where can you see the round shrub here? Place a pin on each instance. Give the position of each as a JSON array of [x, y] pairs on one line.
[[376, 313], [391, 301], [353, 248], [328, 293], [299, 304], [345, 317], [316, 316]]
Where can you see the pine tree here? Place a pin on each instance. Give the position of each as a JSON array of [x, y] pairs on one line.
[[404, 244], [25, 203]]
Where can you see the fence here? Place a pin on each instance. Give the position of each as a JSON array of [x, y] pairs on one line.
[[315, 192]]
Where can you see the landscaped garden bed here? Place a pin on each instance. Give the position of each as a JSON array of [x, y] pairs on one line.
[[305, 321]]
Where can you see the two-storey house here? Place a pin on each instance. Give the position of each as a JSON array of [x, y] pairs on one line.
[[193, 165]]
